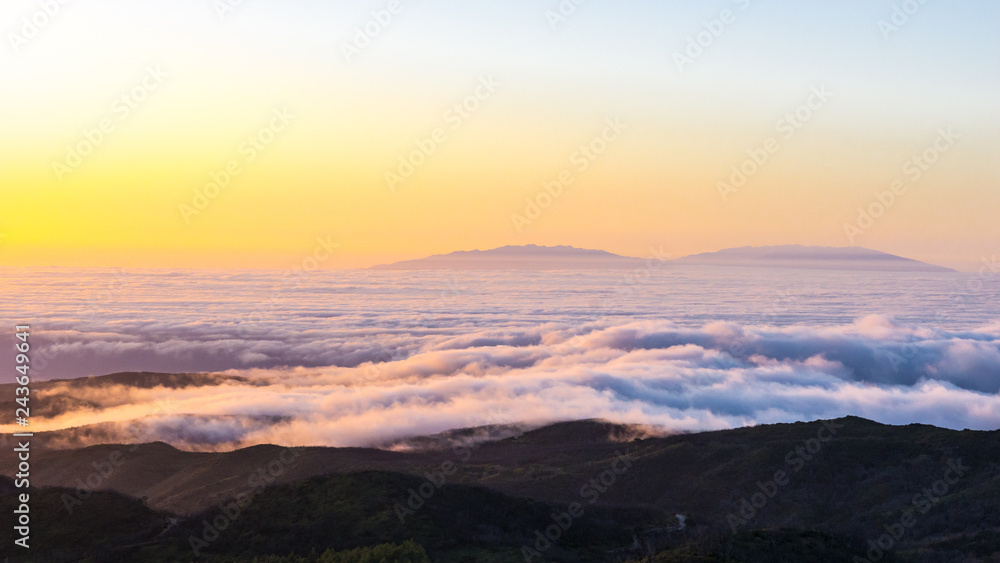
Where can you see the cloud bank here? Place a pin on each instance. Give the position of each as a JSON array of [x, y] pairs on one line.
[[361, 387]]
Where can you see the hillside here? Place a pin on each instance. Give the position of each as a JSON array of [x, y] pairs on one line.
[[833, 497]]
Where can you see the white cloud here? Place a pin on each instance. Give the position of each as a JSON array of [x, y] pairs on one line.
[[324, 389]]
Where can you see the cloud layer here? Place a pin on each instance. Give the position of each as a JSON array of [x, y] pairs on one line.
[[719, 375], [358, 358]]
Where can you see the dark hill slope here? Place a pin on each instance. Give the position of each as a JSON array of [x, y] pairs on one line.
[[846, 479]]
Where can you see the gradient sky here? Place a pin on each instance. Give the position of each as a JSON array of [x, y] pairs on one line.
[[323, 176]]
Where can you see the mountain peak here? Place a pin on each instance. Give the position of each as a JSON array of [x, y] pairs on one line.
[[536, 257], [810, 257], [523, 257]]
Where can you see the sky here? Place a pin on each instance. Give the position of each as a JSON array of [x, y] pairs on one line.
[[238, 133]]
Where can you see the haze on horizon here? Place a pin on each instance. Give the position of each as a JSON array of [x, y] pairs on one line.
[[333, 115]]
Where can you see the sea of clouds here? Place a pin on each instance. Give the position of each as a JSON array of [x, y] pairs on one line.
[[358, 358]]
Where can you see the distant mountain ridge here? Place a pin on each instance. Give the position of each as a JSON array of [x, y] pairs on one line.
[[534, 257], [527, 257], [810, 257]]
